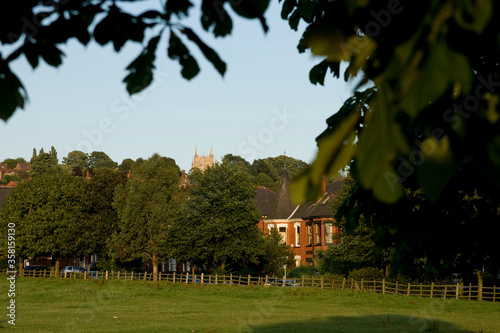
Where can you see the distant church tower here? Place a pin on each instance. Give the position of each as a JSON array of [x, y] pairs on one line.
[[203, 162]]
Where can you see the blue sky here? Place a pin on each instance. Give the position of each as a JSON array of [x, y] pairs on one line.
[[263, 106]]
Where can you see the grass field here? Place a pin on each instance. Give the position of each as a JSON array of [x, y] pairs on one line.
[[57, 305]]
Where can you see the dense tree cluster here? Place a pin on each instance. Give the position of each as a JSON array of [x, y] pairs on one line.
[[145, 214]]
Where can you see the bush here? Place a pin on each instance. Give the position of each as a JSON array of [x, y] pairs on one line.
[[300, 271], [366, 273]]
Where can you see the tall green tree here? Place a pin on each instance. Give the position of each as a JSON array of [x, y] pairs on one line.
[[45, 210], [98, 218], [126, 165], [76, 158], [43, 161], [99, 159], [218, 224], [276, 254], [147, 206]]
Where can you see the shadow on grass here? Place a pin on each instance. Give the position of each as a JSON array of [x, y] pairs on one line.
[[372, 324]]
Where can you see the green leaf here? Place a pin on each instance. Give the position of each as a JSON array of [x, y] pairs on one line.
[[437, 168], [119, 27], [177, 7], [252, 9], [141, 69], [12, 92], [380, 141], [215, 17], [474, 14], [334, 152], [444, 68], [51, 54], [178, 51], [208, 52], [288, 6], [318, 72]]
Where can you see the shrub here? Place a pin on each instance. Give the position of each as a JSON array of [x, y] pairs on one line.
[[298, 272], [366, 273]]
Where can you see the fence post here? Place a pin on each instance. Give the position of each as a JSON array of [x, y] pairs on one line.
[[352, 283], [494, 293], [445, 290], [321, 282], [239, 280], [265, 283], [201, 279], [470, 287], [106, 275], [284, 277], [231, 279], [302, 281], [457, 291], [248, 283], [397, 287], [432, 289], [187, 276], [216, 279], [362, 284], [408, 294], [421, 290], [343, 283], [131, 275], [383, 286]]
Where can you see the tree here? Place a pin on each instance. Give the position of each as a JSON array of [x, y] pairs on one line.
[[43, 161], [13, 162], [218, 224], [267, 172], [147, 206], [98, 218], [276, 254], [35, 29], [126, 165], [45, 212], [76, 158], [99, 159]]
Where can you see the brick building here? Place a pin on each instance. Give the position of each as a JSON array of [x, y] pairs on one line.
[[306, 227]]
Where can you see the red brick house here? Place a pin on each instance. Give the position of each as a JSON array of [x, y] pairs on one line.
[[307, 227]]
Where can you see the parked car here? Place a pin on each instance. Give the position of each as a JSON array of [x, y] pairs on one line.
[[32, 268], [279, 283], [93, 271], [93, 267], [72, 269]]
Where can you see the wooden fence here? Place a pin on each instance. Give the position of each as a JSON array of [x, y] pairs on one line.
[[457, 291]]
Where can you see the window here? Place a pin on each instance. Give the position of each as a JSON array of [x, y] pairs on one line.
[[317, 234], [328, 233], [282, 231], [309, 235], [172, 265], [297, 236]]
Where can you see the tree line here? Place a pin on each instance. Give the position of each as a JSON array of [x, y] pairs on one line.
[[129, 219]]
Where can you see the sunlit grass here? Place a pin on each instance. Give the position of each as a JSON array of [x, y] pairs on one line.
[[58, 305]]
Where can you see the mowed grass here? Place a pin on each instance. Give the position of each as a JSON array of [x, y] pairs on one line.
[[58, 305]]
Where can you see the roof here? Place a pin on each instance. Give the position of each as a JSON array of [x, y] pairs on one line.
[[284, 208], [265, 199], [23, 166]]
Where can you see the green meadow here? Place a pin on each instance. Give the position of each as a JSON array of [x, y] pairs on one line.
[[59, 305]]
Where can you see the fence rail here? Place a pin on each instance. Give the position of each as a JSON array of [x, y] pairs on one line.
[[457, 291]]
